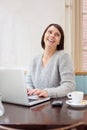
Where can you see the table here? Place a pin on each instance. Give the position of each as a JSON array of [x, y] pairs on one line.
[[42, 115]]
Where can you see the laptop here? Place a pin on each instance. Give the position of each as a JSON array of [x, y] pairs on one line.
[[13, 88]]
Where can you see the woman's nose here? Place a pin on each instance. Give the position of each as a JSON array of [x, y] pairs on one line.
[[52, 34]]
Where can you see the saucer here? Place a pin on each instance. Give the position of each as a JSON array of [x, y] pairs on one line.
[[73, 104]]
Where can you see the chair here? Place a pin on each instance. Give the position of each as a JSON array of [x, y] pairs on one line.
[[76, 126], [7, 128]]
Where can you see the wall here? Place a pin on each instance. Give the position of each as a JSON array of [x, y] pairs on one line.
[[22, 23], [81, 82]]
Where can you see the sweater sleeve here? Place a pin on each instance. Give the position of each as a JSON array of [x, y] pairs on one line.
[[67, 83]]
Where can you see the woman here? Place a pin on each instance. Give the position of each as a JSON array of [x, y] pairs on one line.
[[51, 73]]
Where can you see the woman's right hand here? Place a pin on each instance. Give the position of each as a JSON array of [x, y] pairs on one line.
[[39, 92]]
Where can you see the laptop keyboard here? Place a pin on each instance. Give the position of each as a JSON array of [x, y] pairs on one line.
[[33, 98]]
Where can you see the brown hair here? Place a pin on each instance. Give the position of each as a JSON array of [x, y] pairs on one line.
[[61, 45]]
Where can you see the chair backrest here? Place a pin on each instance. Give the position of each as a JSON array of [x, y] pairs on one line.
[[7, 128], [76, 126]]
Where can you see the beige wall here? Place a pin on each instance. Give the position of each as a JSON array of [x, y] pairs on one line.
[[22, 23]]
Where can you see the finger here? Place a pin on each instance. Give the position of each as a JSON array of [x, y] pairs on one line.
[[30, 91], [37, 92], [34, 91], [44, 94]]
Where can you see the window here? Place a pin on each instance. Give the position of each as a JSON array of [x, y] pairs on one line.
[[84, 36], [79, 34]]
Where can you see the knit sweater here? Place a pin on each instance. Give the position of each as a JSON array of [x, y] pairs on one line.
[[57, 77]]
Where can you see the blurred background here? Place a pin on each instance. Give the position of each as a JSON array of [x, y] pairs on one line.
[[22, 23]]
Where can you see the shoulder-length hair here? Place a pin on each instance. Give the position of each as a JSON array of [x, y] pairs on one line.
[[61, 45]]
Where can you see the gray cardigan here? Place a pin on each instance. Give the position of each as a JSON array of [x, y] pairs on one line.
[[57, 77]]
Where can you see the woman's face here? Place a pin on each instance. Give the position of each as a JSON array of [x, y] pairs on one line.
[[52, 37]]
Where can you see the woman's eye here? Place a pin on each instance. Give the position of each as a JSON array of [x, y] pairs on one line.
[[49, 32], [57, 34]]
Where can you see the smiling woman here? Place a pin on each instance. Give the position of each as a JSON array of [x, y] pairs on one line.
[[49, 37], [51, 73], [51, 41]]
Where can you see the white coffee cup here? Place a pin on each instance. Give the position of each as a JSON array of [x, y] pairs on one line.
[[76, 96]]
